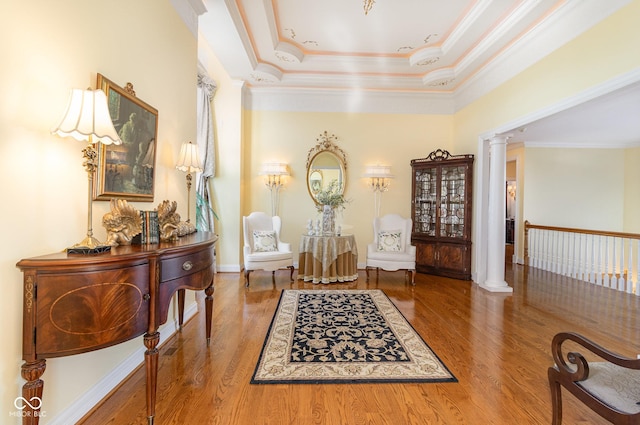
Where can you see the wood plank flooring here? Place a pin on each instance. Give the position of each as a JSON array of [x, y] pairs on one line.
[[497, 345]]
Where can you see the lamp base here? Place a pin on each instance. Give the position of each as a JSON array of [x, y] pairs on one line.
[[89, 245]]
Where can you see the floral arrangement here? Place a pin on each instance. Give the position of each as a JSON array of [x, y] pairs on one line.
[[331, 196]]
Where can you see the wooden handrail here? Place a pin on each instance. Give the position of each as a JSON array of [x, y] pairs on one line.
[[528, 226]]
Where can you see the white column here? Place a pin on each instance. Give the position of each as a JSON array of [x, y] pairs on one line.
[[496, 215]]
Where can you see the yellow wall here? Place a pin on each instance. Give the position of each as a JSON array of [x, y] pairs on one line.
[[49, 48], [367, 139]]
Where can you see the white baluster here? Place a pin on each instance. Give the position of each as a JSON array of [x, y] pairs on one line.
[[549, 251], [638, 268], [543, 250], [630, 280], [592, 275], [614, 278], [554, 250], [606, 262], [533, 246], [621, 279], [564, 256], [599, 267], [538, 244], [579, 257]]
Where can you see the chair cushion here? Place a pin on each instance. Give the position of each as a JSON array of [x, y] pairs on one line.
[[614, 385], [257, 257], [389, 240], [264, 241], [390, 256]]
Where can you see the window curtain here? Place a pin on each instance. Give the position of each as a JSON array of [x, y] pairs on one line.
[[204, 207]]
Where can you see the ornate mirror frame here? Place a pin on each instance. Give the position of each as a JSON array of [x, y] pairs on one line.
[[316, 177]]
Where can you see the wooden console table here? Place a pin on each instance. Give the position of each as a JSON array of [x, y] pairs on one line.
[[328, 259], [78, 303]]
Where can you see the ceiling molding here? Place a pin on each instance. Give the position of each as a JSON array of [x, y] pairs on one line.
[[189, 10], [346, 101], [572, 19], [579, 145], [423, 70], [553, 126]]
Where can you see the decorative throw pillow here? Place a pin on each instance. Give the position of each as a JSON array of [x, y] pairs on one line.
[[389, 240], [264, 241]]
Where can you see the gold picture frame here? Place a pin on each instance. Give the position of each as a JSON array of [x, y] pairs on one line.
[[127, 171]]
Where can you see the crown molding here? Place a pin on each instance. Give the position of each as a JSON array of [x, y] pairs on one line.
[[574, 18], [346, 100], [189, 10], [423, 93]]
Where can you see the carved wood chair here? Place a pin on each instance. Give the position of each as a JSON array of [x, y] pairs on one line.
[[263, 249], [610, 387], [391, 249]]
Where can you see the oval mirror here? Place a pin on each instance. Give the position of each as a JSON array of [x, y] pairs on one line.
[[326, 165]]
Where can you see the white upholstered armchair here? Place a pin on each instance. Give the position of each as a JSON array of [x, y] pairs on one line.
[[391, 249], [263, 249]]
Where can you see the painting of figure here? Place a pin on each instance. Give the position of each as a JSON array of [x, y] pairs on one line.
[[127, 171]]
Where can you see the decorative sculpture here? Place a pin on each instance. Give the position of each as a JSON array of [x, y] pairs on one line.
[[169, 222], [122, 223]]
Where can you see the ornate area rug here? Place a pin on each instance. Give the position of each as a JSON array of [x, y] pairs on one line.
[[344, 336]]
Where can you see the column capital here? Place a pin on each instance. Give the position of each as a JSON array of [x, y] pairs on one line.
[[500, 138]]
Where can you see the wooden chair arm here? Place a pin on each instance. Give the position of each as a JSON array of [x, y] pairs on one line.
[[580, 369]]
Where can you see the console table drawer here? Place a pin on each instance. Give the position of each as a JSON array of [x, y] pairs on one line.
[[190, 271], [185, 265]]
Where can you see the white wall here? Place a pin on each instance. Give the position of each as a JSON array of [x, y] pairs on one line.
[[580, 188], [49, 48], [632, 191]]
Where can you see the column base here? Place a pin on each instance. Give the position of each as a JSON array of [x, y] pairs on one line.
[[496, 287]]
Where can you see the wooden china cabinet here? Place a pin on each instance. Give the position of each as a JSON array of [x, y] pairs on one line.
[[441, 195]]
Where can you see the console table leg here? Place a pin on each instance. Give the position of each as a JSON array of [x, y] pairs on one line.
[[208, 306], [180, 309], [32, 391], [151, 363]]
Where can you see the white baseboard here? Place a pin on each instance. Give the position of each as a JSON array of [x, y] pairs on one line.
[[229, 268], [101, 389]]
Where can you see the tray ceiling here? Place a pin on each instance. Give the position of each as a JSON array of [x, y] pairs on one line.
[[417, 46], [408, 56]]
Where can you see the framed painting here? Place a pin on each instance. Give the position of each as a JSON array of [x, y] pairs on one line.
[[127, 171]]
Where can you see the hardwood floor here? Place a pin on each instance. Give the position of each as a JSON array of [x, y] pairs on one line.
[[497, 345]]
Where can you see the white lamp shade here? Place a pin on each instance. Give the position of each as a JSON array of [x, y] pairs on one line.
[[379, 171], [274, 169], [189, 161], [87, 115]]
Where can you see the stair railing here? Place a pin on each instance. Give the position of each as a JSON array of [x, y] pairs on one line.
[[610, 259]]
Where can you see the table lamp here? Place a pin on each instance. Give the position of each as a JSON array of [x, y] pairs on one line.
[[87, 119]]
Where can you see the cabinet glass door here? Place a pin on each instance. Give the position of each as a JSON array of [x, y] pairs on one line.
[[452, 194], [426, 201]]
